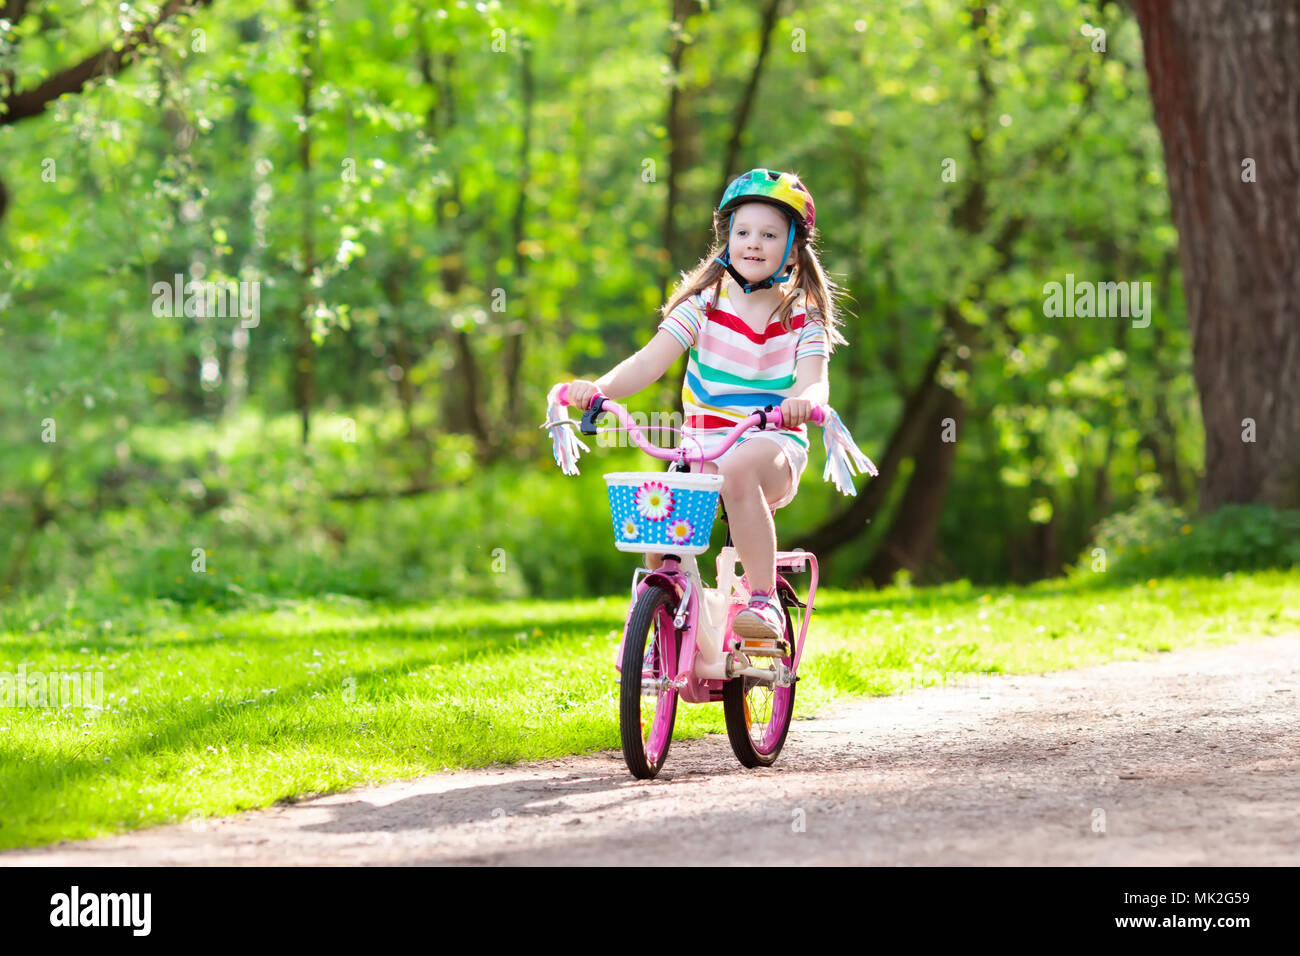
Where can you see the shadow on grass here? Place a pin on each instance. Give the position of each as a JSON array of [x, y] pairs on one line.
[[947, 597], [43, 780], [477, 638]]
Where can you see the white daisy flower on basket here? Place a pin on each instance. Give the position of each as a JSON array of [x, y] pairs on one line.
[[680, 531], [654, 500], [629, 530]]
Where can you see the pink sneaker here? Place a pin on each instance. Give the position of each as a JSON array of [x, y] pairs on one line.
[[763, 618]]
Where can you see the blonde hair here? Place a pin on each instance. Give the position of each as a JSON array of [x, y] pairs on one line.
[[808, 277]]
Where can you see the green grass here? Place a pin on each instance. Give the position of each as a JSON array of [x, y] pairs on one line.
[[212, 711]]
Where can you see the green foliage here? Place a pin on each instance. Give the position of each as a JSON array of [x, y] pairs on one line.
[[274, 521], [439, 242], [1155, 538]]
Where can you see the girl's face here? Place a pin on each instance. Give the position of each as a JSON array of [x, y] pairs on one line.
[[758, 237]]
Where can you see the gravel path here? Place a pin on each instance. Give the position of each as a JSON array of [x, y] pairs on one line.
[[1184, 758]]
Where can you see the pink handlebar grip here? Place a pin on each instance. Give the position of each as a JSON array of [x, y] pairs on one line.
[[818, 416], [562, 396]]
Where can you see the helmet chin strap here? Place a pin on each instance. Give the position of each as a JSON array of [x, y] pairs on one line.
[[771, 280]]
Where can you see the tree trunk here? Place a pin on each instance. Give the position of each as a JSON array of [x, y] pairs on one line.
[[393, 282], [681, 245], [304, 349], [246, 249], [42, 514], [746, 105], [911, 536], [1224, 76], [849, 523], [515, 329], [915, 528], [470, 409], [970, 217], [678, 124]]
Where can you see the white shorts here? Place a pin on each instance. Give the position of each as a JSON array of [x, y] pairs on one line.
[[796, 457]]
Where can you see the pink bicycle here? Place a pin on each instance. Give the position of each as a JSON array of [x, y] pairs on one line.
[[677, 638]]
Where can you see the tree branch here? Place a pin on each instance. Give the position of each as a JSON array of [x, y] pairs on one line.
[[746, 104], [24, 104]]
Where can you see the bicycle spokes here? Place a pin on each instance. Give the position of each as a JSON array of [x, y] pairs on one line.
[[759, 701], [656, 684]]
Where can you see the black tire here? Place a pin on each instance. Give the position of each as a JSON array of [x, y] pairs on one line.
[[734, 695], [651, 617]]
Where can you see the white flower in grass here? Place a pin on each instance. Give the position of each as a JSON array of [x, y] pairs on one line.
[[654, 501]]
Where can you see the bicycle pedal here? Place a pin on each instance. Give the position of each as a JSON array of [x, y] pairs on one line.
[[762, 647]]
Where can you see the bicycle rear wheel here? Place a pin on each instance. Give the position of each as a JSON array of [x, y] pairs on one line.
[[647, 702], [758, 714]]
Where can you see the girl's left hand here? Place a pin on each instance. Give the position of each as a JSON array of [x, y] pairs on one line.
[[794, 412]]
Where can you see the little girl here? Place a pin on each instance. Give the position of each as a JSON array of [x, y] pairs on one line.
[[753, 341]]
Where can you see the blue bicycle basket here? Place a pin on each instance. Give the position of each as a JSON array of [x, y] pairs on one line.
[[663, 511]]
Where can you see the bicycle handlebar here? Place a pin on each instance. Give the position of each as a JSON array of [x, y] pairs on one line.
[[762, 419]]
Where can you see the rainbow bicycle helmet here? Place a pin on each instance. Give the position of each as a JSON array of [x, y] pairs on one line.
[[782, 190]]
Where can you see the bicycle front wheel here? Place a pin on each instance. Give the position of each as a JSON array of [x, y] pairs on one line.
[[647, 701]]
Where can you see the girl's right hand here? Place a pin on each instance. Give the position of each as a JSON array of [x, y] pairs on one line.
[[580, 393]]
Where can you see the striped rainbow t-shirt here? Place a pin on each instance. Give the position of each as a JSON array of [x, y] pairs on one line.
[[731, 369]]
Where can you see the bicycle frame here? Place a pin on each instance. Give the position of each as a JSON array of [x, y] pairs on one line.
[[703, 615], [703, 618]]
